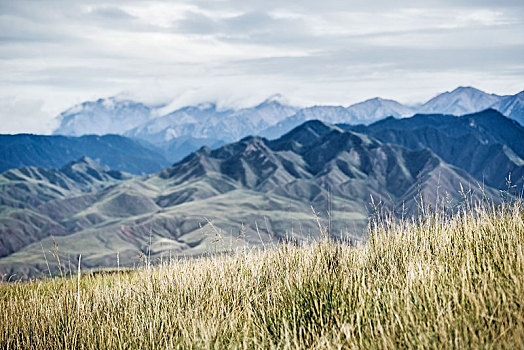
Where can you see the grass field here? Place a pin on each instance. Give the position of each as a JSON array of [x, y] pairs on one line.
[[440, 282]]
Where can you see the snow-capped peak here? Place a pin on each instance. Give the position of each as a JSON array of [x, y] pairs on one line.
[[215, 120], [377, 108], [103, 116], [203, 106], [275, 98], [462, 100]]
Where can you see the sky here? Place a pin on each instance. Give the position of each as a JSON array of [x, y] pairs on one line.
[[57, 53]]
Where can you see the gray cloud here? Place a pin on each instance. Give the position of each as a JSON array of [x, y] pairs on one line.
[[59, 52], [197, 23], [111, 13], [250, 27], [359, 62], [352, 5]]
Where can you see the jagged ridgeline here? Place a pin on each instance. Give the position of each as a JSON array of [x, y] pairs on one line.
[[487, 145], [114, 152], [176, 133], [248, 193]]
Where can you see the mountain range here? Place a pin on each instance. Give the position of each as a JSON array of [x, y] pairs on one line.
[[207, 121], [189, 182], [251, 192], [27, 188], [487, 145], [104, 116], [114, 152], [207, 124]]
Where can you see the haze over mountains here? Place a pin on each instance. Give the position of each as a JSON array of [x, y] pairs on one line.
[[207, 121], [253, 191], [183, 130], [112, 115], [104, 116]]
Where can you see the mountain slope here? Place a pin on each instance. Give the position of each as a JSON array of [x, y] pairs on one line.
[[104, 116], [378, 108], [462, 100], [178, 148], [206, 121], [26, 194], [114, 151], [328, 114], [363, 112], [512, 107], [487, 145], [250, 192]]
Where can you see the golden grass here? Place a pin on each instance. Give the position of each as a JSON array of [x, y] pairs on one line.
[[441, 282]]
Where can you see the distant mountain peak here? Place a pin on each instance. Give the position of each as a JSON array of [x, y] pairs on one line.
[[469, 89], [275, 98], [86, 160], [307, 132], [512, 106], [271, 118], [206, 106], [316, 126], [378, 101], [462, 100], [104, 116], [378, 108], [274, 101]]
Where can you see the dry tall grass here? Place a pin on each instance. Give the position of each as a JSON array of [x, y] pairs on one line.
[[441, 282]]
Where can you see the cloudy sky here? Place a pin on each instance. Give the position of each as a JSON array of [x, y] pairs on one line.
[[54, 54]]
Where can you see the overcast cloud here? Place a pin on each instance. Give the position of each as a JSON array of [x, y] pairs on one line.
[[56, 53]]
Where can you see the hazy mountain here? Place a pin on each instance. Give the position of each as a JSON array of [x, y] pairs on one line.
[[378, 108], [487, 145], [113, 151], [328, 114], [512, 106], [193, 121], [206, 124], [178, 148], [272, 118], [462, 100], [253, 191], [206, 121], [363, 112], [104, 116]]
